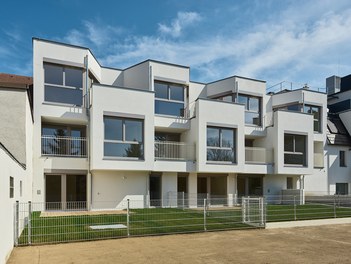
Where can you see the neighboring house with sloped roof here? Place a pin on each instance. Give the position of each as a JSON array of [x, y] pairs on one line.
[[15, 101], [16, 125], [339, 156]]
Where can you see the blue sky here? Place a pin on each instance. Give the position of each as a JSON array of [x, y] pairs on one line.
[[278, 40]]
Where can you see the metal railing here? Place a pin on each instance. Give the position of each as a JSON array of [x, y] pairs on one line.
[[285, 85], [63, 146], [171, 150], [258, 155]]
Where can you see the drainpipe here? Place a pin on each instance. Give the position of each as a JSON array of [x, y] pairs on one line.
[[87, 109], [236, 88]]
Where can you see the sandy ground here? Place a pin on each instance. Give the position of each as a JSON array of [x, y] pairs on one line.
[[322, 244]]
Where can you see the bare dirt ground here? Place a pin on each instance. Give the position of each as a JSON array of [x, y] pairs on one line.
[[321, 244]]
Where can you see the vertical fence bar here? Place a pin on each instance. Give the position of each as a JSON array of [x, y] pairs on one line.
[[183, 200], [16, 222], [128, 227], [205, 221], [295, 208], [334, 206], [261, 204], [29, 223]]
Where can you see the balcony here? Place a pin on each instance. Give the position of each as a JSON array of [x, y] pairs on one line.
[[63, 146], [257, 155], [171, 150]]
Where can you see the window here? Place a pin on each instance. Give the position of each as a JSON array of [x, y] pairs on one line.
[[20, 188], [123, 137], [315, 111], [169, 99], [295, 149], [220, 144], [63, 84], [12, 187], [342, 161], [252, 109], [342, 188], [289, 183]]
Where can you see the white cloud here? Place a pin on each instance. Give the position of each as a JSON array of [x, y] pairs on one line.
[[302, 49], [178, 24]]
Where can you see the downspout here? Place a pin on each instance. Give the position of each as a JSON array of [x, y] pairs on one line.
[[87, 109]]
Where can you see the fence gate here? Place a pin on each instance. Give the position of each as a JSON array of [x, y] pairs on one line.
[[254, 211]]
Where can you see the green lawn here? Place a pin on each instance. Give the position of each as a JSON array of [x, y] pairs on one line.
[[142, 222], [161, 221], [277, 213]]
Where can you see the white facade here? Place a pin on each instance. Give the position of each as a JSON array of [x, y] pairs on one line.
[[226, 139]]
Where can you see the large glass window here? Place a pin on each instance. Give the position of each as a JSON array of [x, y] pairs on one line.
[[295, 149], [123, 137], [169, 99], [63, 84], [220, 144], [252, 109]]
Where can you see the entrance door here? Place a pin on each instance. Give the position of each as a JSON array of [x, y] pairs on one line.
[[53, 191], [76, 191], [182, 190], [155, 190]]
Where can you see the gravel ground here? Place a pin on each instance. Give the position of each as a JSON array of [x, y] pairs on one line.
[[319, 244]]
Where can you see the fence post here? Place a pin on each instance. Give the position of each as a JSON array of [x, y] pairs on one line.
[[128, 227], [29, 223], [183, 201], [205, 222], [334, 206], [261, 205], [295, 208], [16, 222]]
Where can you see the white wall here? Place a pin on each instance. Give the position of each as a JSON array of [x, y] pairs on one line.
[[337, 174], [9, 167], [111, 189], [220, 114], [121, 102]]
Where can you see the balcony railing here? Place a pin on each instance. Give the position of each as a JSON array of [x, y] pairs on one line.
[[63, 146], [318, 160], [171, 150], [258, 155]]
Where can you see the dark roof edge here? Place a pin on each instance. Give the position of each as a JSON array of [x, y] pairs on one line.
[[156, 61], [12, 156]]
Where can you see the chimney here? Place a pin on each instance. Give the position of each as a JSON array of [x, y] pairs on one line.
[[333, 84]]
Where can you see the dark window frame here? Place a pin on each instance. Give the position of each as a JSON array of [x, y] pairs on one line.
[[168, 99], [47, 85], [294, 151], [342, 158], [12, 187], [221, 147], [123, 140]]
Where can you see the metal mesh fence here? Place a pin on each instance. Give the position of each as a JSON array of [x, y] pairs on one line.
[[43, 223], [36, 224]]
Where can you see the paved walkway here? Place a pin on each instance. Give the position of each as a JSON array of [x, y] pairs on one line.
[[322, 244]]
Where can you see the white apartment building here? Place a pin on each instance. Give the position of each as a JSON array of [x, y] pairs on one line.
[[146, 133]]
